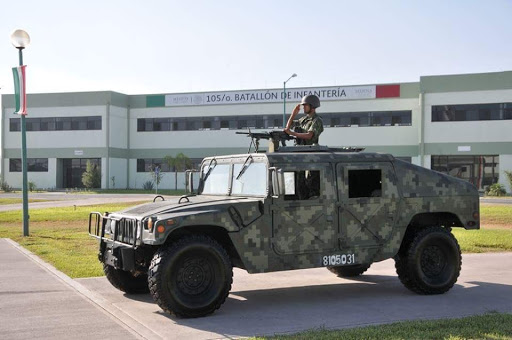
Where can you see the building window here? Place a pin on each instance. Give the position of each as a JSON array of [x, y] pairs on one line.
[[338, 119], [481, 171], [471, 112], [56, 123], [33, 164]]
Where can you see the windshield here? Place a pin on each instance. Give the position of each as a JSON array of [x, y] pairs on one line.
[[217, 181], [253, 181], [247, 178]]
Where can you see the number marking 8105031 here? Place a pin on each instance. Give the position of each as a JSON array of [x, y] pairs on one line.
[[339, 260]]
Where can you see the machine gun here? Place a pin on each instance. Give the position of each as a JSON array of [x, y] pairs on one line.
[[274, 137]]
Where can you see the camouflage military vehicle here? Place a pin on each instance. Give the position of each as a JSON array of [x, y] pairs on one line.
[[299, 207]]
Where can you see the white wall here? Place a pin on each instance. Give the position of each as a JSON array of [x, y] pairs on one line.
[[137, 179], [118, 170], [42, 180], [340, 136], [118, 127], [471, 131], [58, 139]]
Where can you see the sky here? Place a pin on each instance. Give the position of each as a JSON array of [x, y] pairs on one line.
[[140, 47]]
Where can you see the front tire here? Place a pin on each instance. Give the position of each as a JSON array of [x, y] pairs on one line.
[[429, 262], [125, 281], [192, 277]]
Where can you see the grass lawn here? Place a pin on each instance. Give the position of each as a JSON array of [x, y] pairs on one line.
[[18, 200], [488, 326], [59, 235], [496, 215]]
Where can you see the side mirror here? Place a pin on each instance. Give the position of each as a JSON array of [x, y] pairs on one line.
[[277, 180], [189, 181]]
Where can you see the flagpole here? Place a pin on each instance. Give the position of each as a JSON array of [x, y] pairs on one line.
[[20, 39]]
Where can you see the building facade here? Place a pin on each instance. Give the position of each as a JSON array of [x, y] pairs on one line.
[[457, 124]]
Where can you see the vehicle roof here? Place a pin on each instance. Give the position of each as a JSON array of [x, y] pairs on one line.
[[326, 156]]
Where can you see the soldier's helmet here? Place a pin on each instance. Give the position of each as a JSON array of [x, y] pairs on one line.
[[312, 100]]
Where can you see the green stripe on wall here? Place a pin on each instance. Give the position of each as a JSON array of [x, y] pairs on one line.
[[155, 101]]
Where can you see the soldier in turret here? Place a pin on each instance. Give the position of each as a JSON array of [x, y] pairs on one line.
[[307, 129]]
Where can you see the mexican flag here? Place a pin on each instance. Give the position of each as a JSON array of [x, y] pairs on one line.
[[20, 90]]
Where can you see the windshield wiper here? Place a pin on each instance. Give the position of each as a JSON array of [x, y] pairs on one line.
[[210, 168], [244, 167]]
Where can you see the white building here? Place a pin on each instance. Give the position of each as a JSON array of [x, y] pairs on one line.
[[459, 124]]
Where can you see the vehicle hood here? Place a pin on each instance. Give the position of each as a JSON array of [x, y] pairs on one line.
[[188, 205]]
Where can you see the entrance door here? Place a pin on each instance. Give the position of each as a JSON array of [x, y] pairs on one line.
[[74, 168], [369, 203], [304, 220]]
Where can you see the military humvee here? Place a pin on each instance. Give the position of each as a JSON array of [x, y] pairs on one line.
[[299, 207]]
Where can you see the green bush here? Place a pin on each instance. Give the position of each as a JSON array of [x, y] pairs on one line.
[[32, 186], [496, 189], [91, 178], [4, 186], [148, 185]]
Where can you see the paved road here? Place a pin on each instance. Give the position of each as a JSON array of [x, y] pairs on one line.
[[59, 199], [37, 301], [284, 302]]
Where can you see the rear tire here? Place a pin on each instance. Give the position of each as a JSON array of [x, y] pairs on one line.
[[349, 271], [192, 277], [125, 281], [429, 262]]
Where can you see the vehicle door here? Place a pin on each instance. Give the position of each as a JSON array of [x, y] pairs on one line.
[[369, 202], [304, 219]]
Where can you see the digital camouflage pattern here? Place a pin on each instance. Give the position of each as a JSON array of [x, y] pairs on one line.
[[310, 123], [281, 233]]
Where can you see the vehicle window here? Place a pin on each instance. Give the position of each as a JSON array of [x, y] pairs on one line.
[[250, 179], [365, 183], [217, 181], [302, 185]]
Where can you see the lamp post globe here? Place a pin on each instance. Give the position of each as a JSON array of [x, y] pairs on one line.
[[20, 39]]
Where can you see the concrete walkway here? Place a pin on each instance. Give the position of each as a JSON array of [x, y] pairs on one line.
[[37, 301]]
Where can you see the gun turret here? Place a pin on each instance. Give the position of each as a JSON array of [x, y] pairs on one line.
[[274, 137]]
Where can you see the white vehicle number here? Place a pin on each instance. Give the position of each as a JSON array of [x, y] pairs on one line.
[[339, 260]]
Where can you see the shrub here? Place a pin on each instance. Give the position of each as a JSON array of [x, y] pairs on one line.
[[32, 186], [4, 186], [148, 185], [496, 189], [91, 178]]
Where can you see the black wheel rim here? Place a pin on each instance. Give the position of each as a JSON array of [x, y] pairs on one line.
[[196, 279], [195, 276], [433, 261]]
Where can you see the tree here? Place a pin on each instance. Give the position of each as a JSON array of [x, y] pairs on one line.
[[156, 175], [180, 163], [91, 178]]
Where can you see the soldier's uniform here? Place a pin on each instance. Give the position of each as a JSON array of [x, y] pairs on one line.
[[306, 124]]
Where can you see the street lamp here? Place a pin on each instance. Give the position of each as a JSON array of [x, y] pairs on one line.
[[284, 99], [20, 39]]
